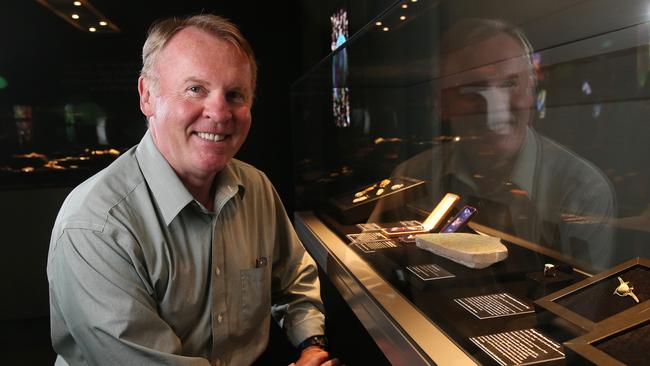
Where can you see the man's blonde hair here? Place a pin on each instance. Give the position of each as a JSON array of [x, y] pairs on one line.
[[163, 30]]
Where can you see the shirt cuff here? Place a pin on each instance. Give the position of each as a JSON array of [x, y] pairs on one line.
[[312, 326]]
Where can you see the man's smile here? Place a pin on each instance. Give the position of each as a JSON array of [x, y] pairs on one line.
[[211, 136]]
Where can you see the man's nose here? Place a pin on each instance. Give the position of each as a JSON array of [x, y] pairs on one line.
[[217, 108]]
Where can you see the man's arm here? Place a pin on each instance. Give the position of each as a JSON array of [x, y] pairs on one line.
[[297, 305], [296, 288], [299, 298], [102, 307], [588, 234]]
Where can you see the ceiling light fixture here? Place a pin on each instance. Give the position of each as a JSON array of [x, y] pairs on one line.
[[81, 15]]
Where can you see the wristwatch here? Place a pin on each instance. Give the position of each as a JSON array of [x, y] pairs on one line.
[[317, 340]]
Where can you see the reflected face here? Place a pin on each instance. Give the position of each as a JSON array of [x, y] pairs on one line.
[[199, 109], [487, 98]]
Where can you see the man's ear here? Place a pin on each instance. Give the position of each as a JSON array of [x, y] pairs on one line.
[[146, 100]]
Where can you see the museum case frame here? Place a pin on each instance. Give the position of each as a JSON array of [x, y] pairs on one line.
[[587, 349]]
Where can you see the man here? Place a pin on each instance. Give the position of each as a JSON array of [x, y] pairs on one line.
[[520, 181], [176, 252]]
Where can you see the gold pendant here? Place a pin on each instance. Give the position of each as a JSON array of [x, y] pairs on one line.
[[625, 289]]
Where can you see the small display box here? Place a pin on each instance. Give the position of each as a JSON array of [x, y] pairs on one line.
[[620, 340], [583, 305], [356, 206]]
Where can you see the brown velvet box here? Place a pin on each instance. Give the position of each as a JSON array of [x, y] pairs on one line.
[[620, 340], [352, 212], [580, 307]]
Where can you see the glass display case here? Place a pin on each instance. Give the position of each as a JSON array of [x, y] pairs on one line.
[[534, 115]]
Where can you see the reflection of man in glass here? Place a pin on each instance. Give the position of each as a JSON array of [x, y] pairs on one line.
[[522, 182]]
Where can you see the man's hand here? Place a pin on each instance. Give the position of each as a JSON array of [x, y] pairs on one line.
[[315, 356]]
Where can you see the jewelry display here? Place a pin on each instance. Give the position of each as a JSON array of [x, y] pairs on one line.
[[362, 193], [359, 199], [384, 183], [549, 270], [381, 189], [356, 206], [625, 289]]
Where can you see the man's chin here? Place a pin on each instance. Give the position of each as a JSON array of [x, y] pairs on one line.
[[486, 154], [212, 166]]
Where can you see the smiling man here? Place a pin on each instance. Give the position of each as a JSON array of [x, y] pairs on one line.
[[176, 253]]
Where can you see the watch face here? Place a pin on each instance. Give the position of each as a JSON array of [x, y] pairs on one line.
[[318, 341]]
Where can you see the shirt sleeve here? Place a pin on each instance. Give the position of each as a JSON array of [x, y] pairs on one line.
[[590, 239], [296, 289], [103, 311]]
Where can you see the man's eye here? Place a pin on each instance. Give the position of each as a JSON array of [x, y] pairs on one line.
[[195, 89], [236, 96], [510, 83]]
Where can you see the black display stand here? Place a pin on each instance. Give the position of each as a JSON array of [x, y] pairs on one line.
[[541, 285]]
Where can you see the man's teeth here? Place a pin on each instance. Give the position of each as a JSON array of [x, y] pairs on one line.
[[211, 136]]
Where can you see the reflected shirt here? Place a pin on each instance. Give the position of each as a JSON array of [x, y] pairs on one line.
[[141, 273], [552, 197]]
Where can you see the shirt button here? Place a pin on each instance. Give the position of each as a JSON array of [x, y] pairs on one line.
[[217, 271], [219, 318]]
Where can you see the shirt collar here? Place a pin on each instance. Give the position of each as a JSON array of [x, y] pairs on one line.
[[523, 171], [228, 180], [167, 189]]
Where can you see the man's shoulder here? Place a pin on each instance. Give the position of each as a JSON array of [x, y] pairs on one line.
[[89, 204], [571, 171], [559, 157], [247, 173]]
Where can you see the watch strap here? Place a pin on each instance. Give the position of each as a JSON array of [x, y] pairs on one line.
[[317, 340]]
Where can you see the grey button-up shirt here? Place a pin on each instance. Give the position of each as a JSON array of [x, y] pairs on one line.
[[140, 273]]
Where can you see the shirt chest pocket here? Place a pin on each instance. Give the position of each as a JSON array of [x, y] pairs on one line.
[[255, 297]]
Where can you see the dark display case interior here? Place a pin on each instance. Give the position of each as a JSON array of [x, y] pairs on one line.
[[620, 340], [532, 113], [629, 346]]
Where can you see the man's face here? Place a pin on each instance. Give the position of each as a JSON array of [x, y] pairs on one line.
[[487, 98], [199, 109]]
